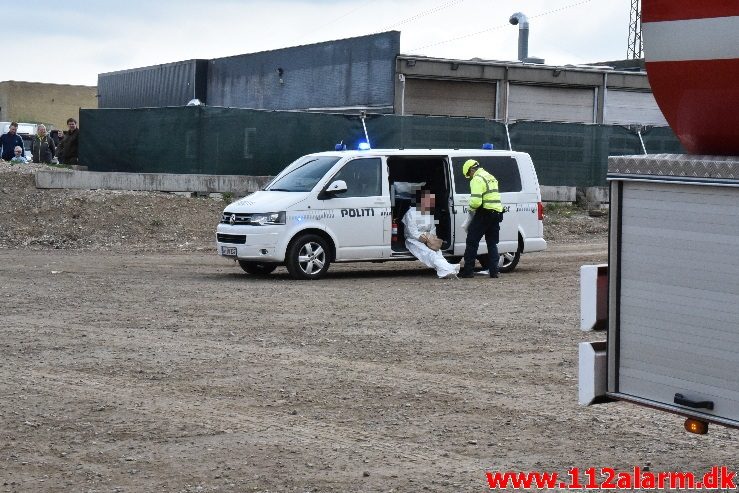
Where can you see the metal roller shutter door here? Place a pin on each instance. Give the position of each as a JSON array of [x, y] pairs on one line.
[[556, 104], [632, 107], [449, 98], [679, 295]]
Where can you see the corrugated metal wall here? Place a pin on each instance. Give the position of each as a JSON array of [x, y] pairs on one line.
[[449, 98], [626, 107], [551, 103], [171, 84], [531, 92], [677, 329], [355, 72]]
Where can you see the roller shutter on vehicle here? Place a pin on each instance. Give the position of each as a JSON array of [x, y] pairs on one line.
[[551, 103], [624, 107], [677, 305], [449, 98]]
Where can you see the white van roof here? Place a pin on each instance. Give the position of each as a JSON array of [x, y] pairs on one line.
[[418, 152], [23, 128]]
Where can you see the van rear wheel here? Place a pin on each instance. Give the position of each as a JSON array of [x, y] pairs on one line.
[[308, 257], [508, 261], [257, 268]]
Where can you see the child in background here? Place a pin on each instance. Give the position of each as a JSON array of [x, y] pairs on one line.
[[19, 158]]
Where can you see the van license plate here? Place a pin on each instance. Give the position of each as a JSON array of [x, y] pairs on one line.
[[228, 251]]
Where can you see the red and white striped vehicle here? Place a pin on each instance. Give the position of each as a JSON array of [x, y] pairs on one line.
[[692, 57]]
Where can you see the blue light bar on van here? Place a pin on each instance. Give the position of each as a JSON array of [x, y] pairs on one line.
[[488, 146], [340, 147], [364, 146]]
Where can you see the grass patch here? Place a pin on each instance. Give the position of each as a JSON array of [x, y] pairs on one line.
[[561, 209]]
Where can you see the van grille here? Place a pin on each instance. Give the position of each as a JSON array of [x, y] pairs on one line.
[[238, 218], [235, 239]]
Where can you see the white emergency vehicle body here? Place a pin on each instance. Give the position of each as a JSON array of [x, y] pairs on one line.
[[343, 206]]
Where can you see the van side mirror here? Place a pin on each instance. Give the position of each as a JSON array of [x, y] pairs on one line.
[[336, 187]]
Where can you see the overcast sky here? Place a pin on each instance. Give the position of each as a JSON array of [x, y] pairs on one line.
[[72, 42]]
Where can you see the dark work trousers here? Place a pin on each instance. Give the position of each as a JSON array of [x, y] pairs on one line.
[[484, 223]]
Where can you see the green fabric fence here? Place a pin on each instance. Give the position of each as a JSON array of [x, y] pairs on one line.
[[212, 140]]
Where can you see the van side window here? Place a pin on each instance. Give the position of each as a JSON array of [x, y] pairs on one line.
[[363, 177], [503, 168]]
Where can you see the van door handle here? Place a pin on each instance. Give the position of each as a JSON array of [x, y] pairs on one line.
[[682, 401]]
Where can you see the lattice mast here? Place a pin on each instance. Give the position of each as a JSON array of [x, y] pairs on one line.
[[636, 49]]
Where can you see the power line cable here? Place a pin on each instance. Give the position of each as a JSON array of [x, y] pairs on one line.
[[444, 5], [554, 11], [327, 23], [502, 26], [424, 13]]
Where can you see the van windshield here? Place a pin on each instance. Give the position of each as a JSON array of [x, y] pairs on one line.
[[306, 172]]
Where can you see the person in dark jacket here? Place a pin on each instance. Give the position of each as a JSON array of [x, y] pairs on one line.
[[67, 151], [42, 147], [9, 141]]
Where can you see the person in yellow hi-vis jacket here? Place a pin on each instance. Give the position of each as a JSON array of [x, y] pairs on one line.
[[488, 213]]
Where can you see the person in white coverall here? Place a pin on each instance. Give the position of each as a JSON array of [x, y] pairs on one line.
[[419, 221]]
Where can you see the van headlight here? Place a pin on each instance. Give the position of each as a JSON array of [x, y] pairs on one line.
[[268, 218]]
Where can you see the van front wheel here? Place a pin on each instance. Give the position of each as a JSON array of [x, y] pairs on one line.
[[308, 257]]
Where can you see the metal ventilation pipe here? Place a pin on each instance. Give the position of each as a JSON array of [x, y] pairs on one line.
[[523, 34]]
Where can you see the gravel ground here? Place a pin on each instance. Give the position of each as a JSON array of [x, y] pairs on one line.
[[133, 361], [178, 372], [101, 219]]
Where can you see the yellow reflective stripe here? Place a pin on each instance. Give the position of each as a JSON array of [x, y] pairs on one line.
[[491, 196], [487, 196]]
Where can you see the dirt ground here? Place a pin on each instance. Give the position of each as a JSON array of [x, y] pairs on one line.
[[148, 366]]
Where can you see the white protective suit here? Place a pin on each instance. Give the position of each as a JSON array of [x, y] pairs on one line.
[[416, 223]]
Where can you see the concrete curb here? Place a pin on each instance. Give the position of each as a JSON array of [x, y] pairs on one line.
[[593, 195], [558, 194], [163, 182]]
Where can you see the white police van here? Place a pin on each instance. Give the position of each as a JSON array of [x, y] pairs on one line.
[[347, 206]]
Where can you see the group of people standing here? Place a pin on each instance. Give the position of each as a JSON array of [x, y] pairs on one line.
[[487, 213], [44, 149]]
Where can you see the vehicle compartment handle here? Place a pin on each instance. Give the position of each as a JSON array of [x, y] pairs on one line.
[[683, 401]]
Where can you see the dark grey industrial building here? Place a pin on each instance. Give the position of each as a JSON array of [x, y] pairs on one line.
[[369, 73], [355, 73], [169, 84], [341, 74]]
